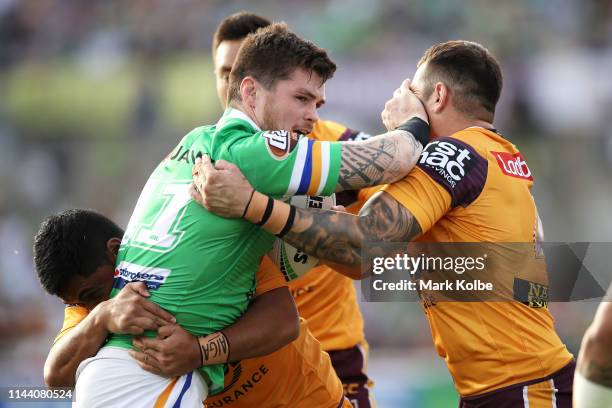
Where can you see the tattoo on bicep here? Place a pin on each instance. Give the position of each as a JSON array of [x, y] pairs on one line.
[[367, 164], [600, 374]]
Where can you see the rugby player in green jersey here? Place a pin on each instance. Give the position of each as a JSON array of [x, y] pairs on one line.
[[201, 268]]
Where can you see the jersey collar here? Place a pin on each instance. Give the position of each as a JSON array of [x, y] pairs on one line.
[[233, 113]]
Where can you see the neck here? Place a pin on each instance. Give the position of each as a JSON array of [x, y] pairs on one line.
[[246, 110], [458, 123]]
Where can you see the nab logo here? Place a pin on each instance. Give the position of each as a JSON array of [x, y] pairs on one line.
[[448, 159], [279, 143], [513, 165]]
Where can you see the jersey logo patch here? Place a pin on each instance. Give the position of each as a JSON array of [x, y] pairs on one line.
[[280, 143], [513, 165], [457, 167], [127, 272]]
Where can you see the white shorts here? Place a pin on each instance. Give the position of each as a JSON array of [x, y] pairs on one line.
[[112, 378]]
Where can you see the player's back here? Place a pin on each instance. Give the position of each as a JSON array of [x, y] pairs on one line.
[[474, 186]]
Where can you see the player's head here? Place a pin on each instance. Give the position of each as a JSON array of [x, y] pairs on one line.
[[227, 39], [457, 79], [74, 256], [279, 79]]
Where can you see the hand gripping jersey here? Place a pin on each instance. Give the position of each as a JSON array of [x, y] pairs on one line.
[[323, 296], [201, 267], [299, 375], [474, 186]]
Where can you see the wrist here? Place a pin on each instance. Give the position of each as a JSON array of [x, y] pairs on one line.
[[214, 349], [418, 128], [256, 207], [100, 316]]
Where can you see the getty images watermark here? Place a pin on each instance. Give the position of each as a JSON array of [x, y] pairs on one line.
[[534, 274], [423, 265]]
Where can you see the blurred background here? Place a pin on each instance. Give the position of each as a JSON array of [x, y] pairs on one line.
[[94, 93]]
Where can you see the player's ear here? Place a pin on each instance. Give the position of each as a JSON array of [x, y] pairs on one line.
[[248, 91], [112, 247], [440, 97]]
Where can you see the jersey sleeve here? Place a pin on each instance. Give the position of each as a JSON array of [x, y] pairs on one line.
[[268, 277], [279, 163], [449, 173], [73, 315], [327, 130]]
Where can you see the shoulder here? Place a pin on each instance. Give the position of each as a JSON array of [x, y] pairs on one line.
[[458, 163], [327, 130]]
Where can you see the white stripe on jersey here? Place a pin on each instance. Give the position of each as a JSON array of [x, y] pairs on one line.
[[324, 166], [298, 166], [526, 396]]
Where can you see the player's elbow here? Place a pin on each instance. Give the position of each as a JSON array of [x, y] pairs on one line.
[[289, 329], [55, 378]]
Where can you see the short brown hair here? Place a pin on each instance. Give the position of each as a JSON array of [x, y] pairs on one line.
[[469, 70], [236, 27], [273, 53]]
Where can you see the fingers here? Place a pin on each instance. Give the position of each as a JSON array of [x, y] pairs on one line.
[[161, 314], [406, 84], [139, 288], [195, 194], [138, 325], [146, 361], [147, 343], [338, 208], [224, 165], [166, 331]]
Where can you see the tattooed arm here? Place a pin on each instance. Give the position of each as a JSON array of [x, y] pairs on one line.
[[379, 160], [338, 237], [595, 359], [593, 377], [334, 237]]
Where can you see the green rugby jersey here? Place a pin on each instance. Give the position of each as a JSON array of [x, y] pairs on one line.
[[201, 267]]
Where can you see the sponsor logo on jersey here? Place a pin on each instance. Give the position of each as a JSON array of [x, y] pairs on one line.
[[457, 167], [513, 165], [448, 159], [127, 272], [531, 294], [240, 384], [280, 143]]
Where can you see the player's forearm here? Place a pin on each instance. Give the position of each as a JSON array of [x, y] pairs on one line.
[[255, 333], [332, 236], [80, 343], [595, 360]]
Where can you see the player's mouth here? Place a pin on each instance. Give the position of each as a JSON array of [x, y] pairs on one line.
[[302, 131]]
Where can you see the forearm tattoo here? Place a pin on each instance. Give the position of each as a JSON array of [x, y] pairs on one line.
[[339, 237]]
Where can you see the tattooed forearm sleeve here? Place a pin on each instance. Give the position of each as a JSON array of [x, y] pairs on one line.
[[379, 160], [339, 237]]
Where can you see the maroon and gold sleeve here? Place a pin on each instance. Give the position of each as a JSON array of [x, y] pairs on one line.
[[72, 316], [449, 173]]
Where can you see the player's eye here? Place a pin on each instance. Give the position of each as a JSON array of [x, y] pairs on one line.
[[301, 98]]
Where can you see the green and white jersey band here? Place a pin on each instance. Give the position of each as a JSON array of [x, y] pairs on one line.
[[201, 267]]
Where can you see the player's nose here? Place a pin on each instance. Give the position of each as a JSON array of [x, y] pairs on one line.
[[312, 115]]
